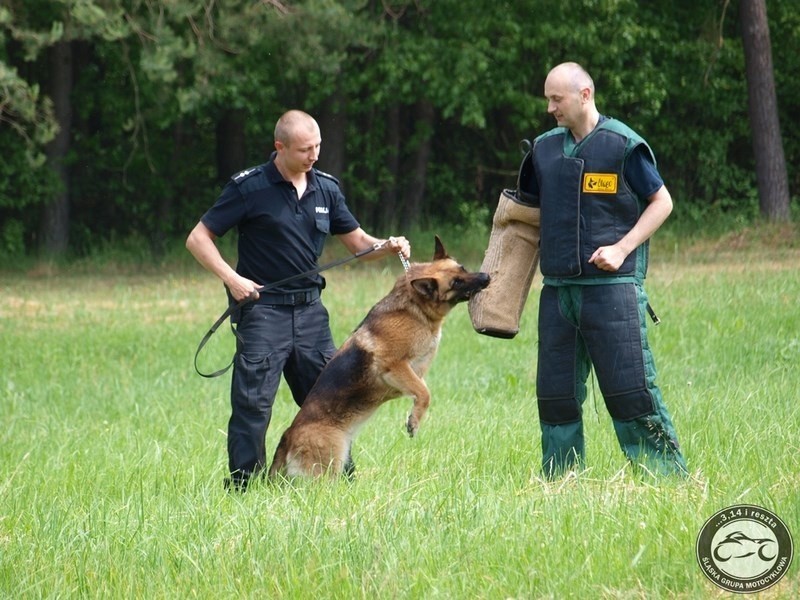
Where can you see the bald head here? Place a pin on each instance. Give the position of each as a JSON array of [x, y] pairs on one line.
[[569, 91], [293, 124], [572, 77], [297, 144]]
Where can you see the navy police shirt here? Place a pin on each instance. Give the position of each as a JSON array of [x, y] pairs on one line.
[[279, 235]]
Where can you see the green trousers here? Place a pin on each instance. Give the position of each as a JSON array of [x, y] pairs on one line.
[[601, 326]]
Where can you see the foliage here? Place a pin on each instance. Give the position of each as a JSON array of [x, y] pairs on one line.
[[27, 113], [154, 79]]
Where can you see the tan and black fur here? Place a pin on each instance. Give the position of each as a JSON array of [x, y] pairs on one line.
[[386, 357]]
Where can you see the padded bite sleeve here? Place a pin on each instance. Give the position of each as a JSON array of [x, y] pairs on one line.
[[511, 260]]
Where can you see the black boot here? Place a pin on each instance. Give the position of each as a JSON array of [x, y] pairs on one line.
[[237, 482]]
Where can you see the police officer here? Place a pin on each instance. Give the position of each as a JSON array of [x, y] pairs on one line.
[[283, 211], [601, 199]]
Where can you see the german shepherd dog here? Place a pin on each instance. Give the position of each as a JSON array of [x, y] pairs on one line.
[[386, 357]]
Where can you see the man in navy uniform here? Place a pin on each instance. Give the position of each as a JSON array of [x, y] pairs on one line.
[[283, 211]]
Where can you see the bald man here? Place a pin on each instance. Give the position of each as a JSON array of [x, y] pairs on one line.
[[283, 211], [601, 198]]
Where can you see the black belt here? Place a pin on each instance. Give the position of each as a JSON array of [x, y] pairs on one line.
[[293, 299]]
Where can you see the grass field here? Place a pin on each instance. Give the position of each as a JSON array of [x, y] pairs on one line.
[[112, 452]]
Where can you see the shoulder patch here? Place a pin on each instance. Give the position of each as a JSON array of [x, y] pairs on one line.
[[326, 175], [242, 175]]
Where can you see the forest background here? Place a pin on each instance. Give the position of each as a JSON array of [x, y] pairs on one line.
[[121, 119]]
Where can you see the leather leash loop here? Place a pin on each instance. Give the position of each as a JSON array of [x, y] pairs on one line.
[[234, 307]]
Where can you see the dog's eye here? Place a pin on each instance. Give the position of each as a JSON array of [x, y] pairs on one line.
[[457, 283]]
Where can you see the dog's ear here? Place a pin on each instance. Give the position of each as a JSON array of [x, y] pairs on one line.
[[426, 286], [439, 253]]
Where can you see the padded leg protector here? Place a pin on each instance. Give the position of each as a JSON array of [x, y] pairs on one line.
[[511, 260]]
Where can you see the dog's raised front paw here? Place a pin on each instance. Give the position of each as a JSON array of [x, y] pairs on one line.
[[412, 425]]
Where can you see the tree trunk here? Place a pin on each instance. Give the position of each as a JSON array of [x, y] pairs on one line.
[[231, 149], [414, 192], [165, 208], [54, 225], [773, 185], [388, 190], [332, 124]]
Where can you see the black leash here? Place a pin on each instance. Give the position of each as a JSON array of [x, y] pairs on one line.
[[234, 307]]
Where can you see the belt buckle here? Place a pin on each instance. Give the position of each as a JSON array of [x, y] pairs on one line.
[[299, 298]]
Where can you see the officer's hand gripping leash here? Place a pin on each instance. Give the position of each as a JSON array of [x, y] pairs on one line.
[[403, 259], [234, 307]]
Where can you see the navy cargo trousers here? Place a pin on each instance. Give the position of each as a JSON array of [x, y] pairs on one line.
[[273, 340]]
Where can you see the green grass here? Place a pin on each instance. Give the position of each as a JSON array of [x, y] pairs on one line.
[[112, 451]]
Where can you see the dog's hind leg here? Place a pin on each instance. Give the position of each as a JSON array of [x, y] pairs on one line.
[[403, 378], [349, 467], [316, 452], [279, 460]]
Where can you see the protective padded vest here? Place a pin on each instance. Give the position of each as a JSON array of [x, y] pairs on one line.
[[586, 202]]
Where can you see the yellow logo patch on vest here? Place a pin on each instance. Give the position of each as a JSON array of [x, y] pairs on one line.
[[599, 183]]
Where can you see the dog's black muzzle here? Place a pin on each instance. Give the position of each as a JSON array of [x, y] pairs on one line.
[[478, 283]]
